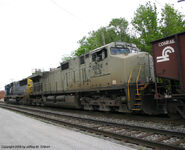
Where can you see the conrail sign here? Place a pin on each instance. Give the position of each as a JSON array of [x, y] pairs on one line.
[[169, 58], [165, 54], [165, 58]]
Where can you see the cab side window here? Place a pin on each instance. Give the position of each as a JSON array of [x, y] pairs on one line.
[[82, 60], [65, 66], [100, 55], [94, 57]]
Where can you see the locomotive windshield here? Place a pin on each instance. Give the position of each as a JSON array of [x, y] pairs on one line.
[[119, 50]]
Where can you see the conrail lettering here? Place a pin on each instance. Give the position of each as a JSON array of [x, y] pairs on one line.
[[166, 42]]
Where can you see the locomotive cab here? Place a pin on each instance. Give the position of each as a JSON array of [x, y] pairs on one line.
[[120, 69], [17, 92]]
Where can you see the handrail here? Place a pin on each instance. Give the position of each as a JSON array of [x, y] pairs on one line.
[[137, 80], [130, 76]]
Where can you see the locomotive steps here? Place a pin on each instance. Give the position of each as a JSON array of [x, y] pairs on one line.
[[154, 138]]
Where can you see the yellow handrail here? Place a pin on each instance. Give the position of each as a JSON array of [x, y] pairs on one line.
[[137, 80], [130, 76]]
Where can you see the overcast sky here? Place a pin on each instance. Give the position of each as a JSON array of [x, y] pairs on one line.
[[37, 33]]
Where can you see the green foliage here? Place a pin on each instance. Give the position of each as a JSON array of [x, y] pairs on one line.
[[171, 21], [116, 31], [67, 57], [150, 28], [120, 27], [145, 23], [147, 27]]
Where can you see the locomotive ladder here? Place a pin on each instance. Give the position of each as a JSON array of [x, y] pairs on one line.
[[137, 106], [138, 96]]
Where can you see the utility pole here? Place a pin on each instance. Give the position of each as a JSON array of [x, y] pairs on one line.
[[103, 38]]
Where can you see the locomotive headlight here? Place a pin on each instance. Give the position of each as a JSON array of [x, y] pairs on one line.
[[114, 82], [122, 44]]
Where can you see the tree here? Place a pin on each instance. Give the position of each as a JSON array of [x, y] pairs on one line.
[[149, 28], [145, 23], [89, 43], [116, 31], [67, 57], [171, 21], [120, 27]]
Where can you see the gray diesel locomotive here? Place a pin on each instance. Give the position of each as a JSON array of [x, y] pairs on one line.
[[114, 77]]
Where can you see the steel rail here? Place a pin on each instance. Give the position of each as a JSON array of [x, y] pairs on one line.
[[55, 117]]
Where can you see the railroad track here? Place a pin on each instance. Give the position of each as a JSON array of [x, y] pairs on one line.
[[149, 137]]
